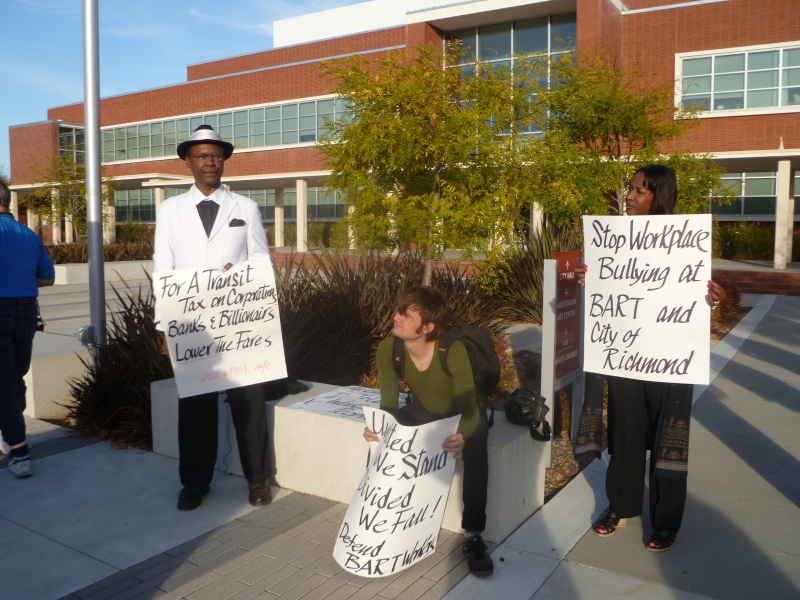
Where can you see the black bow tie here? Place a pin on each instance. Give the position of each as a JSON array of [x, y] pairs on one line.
[[208, 209]]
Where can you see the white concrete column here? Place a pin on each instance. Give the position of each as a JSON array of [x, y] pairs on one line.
[[537, 219], [13, 206], [159, 197], [69, 230], [55, 219], [279, 218], [351, 236], [109, 219], [32, 225], [784, 214], [302, 215]]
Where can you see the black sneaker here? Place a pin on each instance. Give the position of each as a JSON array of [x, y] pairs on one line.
[[478, 559], [192, 496]]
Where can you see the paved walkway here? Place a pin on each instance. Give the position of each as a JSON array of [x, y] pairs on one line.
[[98, 523]]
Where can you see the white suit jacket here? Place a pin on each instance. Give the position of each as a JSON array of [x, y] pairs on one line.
[[181, 241]]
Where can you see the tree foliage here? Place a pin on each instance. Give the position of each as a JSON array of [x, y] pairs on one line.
[[61, 192], [600, 125], [427, 156]]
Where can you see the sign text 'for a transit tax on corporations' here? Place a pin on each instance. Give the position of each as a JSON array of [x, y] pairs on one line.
[[647, 313], [223, 329], [394, 518]]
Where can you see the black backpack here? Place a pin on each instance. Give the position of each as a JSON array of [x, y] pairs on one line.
[[526, 407], [480, 348]]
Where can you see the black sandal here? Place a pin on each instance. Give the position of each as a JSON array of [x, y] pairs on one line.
[[664, 539], [609, 521]]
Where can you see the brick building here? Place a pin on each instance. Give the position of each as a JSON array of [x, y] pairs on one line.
[[738, 59]]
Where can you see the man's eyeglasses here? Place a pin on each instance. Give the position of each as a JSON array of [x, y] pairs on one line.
[[204, 158]]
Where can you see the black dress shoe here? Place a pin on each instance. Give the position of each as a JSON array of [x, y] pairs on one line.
[[191, 497], [260, 493]]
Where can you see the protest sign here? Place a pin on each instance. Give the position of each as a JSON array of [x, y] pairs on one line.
[[394, 518], [647, 313], [345, 402], [223, 329]]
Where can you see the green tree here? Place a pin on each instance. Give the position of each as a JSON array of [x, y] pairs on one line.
[[426, 155], [600, 125], [62, 191], [4, 175]]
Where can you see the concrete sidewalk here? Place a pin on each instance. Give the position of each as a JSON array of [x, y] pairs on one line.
[[96, 523]]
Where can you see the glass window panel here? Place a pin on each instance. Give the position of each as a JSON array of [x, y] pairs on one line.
[[321, 121], [763, 60], [728, 101], [752, 174], [169, 126], [256, 128], [494, 41], [530, 36], [226, 119], [256, 141], [734, 208], [290, 124], [289, 137], [759, 187], [182, 136], [726, 83], [791, 77], [226, 131], [157, 140], [759, 206], [144, 152], [273, 112], [257, 114], [108, 135], [240, 142], [290, 196], [467, 39], [144, 141], [144, 130], [156, 128], [182, 124], [325, 107], [289, 110], [133, 153], [132, 143], [562, 32], [762, 79], [119, 133], [240, 130], [157, 151], [211, 120], [195, 122], [108, 156], [270, 197], [308, 109], [791, 58], [308, 122], [308, 135], [132, 131], [729, 64], [696, 85], [121, 154], [502, 65], [697, 102], [240, 117], [762, 99], [791, 97], [273, 139], [273, 126], [170, 138], [468, 70]]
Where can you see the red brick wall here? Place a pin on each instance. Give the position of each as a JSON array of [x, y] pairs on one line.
[[281, 56], [31, 145], [420, 34], [652, 39], [599, 28]]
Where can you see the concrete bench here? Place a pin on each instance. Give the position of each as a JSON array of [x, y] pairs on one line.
[[74, 273], [326, 456]]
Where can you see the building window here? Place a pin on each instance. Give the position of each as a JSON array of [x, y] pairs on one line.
[[755, 193], [748, 80], [260, 127], [136, 205], [321, 206], [71, 140]]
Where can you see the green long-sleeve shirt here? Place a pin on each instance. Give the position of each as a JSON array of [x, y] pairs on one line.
[[438, 393]]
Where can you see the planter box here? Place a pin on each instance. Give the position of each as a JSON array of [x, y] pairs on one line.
[[114, 271]]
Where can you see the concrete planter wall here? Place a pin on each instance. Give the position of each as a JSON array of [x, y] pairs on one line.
[[114, 271]]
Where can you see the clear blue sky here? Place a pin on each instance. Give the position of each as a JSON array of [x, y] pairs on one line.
[[143, 44]]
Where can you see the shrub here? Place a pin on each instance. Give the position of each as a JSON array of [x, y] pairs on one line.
[[727, 307], [112, 400], [129, 232], [744, 241], [79, 253]]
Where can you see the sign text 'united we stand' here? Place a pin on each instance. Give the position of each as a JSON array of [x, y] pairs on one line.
[[647, 312], [394, 518], [223, 329]]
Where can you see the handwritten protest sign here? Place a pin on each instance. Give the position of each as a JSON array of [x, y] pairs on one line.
[[647, 313], [346, 402], [223, 329], [394, 518]]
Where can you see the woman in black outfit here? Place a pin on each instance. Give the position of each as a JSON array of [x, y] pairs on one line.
[[645, 415]]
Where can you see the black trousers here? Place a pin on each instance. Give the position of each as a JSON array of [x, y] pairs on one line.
[[476, 463], [197, 434], [634, 413], [17, 328]]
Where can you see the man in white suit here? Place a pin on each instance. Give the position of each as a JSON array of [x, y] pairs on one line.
[[210, 227]]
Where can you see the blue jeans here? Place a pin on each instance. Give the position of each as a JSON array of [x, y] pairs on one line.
[[17, 328]]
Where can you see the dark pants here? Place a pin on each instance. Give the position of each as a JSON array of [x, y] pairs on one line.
[[476, 464], [17, 328], [197, 434], [634, 413]]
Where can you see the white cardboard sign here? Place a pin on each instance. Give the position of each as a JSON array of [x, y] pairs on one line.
[[394, 518], [646, 313], [223, 329], [345, 403]]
